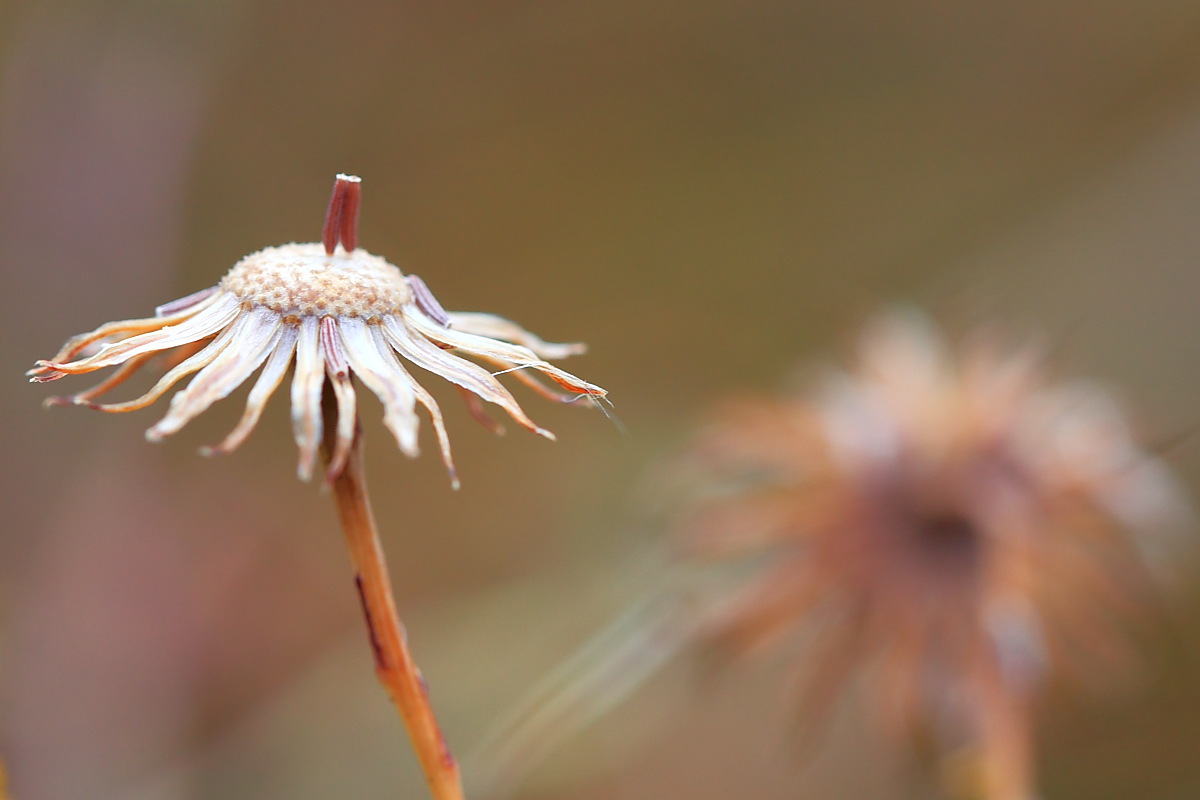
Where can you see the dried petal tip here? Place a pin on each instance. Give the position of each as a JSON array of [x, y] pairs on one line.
[[44, 374], [341, 218]]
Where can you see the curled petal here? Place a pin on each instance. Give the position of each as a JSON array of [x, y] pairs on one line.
[[193, 363], [268, 381], [419, 350], [123, 328], [387, 379], [119, 376], [185, 305], [523, 374], [425, 398], [215, 316], [496, 327], [249, 341], [484, 347]]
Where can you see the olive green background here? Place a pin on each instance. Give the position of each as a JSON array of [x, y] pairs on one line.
[[708, 193]]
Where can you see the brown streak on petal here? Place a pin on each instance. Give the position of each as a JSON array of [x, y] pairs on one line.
[[347, 422], [331, 346], [525, 376], [582, 387]]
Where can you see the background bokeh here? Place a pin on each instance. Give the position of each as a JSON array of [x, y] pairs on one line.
[[707, 193]]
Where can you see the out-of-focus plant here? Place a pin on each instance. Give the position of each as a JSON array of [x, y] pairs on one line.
[[952, 526]]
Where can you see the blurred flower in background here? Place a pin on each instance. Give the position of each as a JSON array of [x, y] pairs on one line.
[[951, 524], [944, 527]]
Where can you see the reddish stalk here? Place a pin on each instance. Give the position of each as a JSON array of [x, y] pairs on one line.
[[394, 665], [341, 217]]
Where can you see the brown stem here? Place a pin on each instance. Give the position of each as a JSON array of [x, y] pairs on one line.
[[394, 665], [1007, 748]]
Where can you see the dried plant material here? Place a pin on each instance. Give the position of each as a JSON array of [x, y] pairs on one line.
[[337, 313], [952, 523], [331, 310]]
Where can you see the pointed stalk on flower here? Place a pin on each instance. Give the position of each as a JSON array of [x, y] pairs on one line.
[[342, 316]]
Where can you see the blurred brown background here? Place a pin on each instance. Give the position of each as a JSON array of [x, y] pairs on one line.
[[706, 193]]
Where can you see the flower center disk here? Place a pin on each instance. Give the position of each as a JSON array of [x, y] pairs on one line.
[[302, 280]]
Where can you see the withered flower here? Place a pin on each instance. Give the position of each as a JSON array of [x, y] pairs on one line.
[[950, 524], [339, 314], [335, 310]]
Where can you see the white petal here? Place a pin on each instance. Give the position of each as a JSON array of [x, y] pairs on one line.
[[185, 306], [425, 354], [306, 395], [496, 327], [491, 348], [222, 311], [127, 328], [426, 399], [193, 363], [387, 379], [248, 345], [268, 381]]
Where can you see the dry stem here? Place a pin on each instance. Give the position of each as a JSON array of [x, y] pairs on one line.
[[1006, 743], [394, 665]]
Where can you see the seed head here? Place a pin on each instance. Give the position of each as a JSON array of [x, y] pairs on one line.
[[338, 313], [953, 523]]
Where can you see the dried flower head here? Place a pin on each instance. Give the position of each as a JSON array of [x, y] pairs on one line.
[[954, 523], [338, 313], [334, 310]]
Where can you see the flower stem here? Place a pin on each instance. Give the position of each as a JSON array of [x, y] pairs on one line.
[[1007, 749], [394, 665]]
